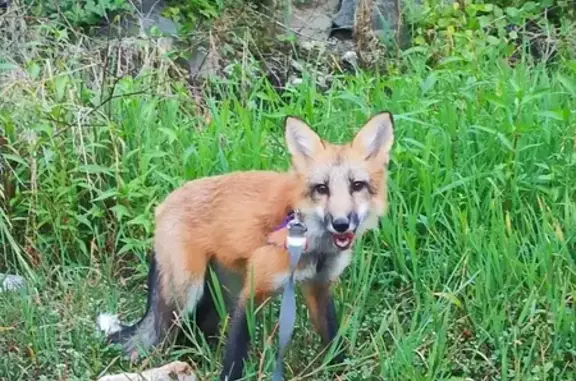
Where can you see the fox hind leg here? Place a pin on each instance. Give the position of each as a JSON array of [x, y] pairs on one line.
[[205, 316], [221, 291], [151, 328], [165, 302]]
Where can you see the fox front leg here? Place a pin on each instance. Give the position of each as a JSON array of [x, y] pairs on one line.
[[322, 310], [266, 266]]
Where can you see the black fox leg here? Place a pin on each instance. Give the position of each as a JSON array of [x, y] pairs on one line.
[[207, 318], [153, 327], [322, 313], [236, 346]]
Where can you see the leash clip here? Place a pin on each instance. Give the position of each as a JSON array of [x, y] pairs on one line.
[[296, 238], [296, 244]]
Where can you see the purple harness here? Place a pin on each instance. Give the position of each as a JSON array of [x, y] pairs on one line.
[[285, 222]]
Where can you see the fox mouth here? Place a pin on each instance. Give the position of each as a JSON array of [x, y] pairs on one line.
[[343, 241]]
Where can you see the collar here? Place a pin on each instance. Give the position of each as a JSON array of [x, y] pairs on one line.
[[279, 234]]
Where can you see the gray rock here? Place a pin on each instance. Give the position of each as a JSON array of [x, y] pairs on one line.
[[11, 282], [146, 6], [151, 16], [344, 17], [351, 58], [4, 4], [148, 19], [321, 19], [384, 17], [164, 25], [313, 21], [148, 16]]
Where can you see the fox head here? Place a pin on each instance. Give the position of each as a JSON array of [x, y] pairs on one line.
[[343, 187]]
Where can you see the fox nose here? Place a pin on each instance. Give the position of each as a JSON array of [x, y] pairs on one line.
[[341, 224]]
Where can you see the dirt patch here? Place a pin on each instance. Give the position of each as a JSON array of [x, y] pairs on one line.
[[248, 39]]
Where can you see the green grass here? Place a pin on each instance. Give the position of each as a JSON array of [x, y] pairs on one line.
[[471, 277]]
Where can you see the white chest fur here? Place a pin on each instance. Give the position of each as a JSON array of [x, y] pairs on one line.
[[331, 269], [336, 265]]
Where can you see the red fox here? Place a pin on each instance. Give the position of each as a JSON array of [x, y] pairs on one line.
[[229, 220]]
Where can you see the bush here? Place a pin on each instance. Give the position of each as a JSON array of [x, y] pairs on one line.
[[499, 28], [78, 13]]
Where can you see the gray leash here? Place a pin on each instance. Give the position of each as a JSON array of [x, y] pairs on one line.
[[295, 243]]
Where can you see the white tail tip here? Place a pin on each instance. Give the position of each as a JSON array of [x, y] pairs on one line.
[[108, 323]]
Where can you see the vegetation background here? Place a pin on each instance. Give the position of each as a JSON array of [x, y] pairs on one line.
[[472, 275]]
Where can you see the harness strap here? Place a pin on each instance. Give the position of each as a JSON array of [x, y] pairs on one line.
[[295, 243]]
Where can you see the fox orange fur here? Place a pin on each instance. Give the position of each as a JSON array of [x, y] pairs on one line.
[[229, 220]]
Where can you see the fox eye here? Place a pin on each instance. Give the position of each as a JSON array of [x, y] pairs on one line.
[[321, 188], [357, 186]]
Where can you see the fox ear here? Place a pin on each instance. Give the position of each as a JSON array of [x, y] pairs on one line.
[[375, 138], [303, 143]]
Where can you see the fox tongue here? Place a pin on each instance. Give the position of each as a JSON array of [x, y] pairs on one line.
[[343, 241]]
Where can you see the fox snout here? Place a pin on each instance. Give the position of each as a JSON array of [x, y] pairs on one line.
[[342, 223]]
